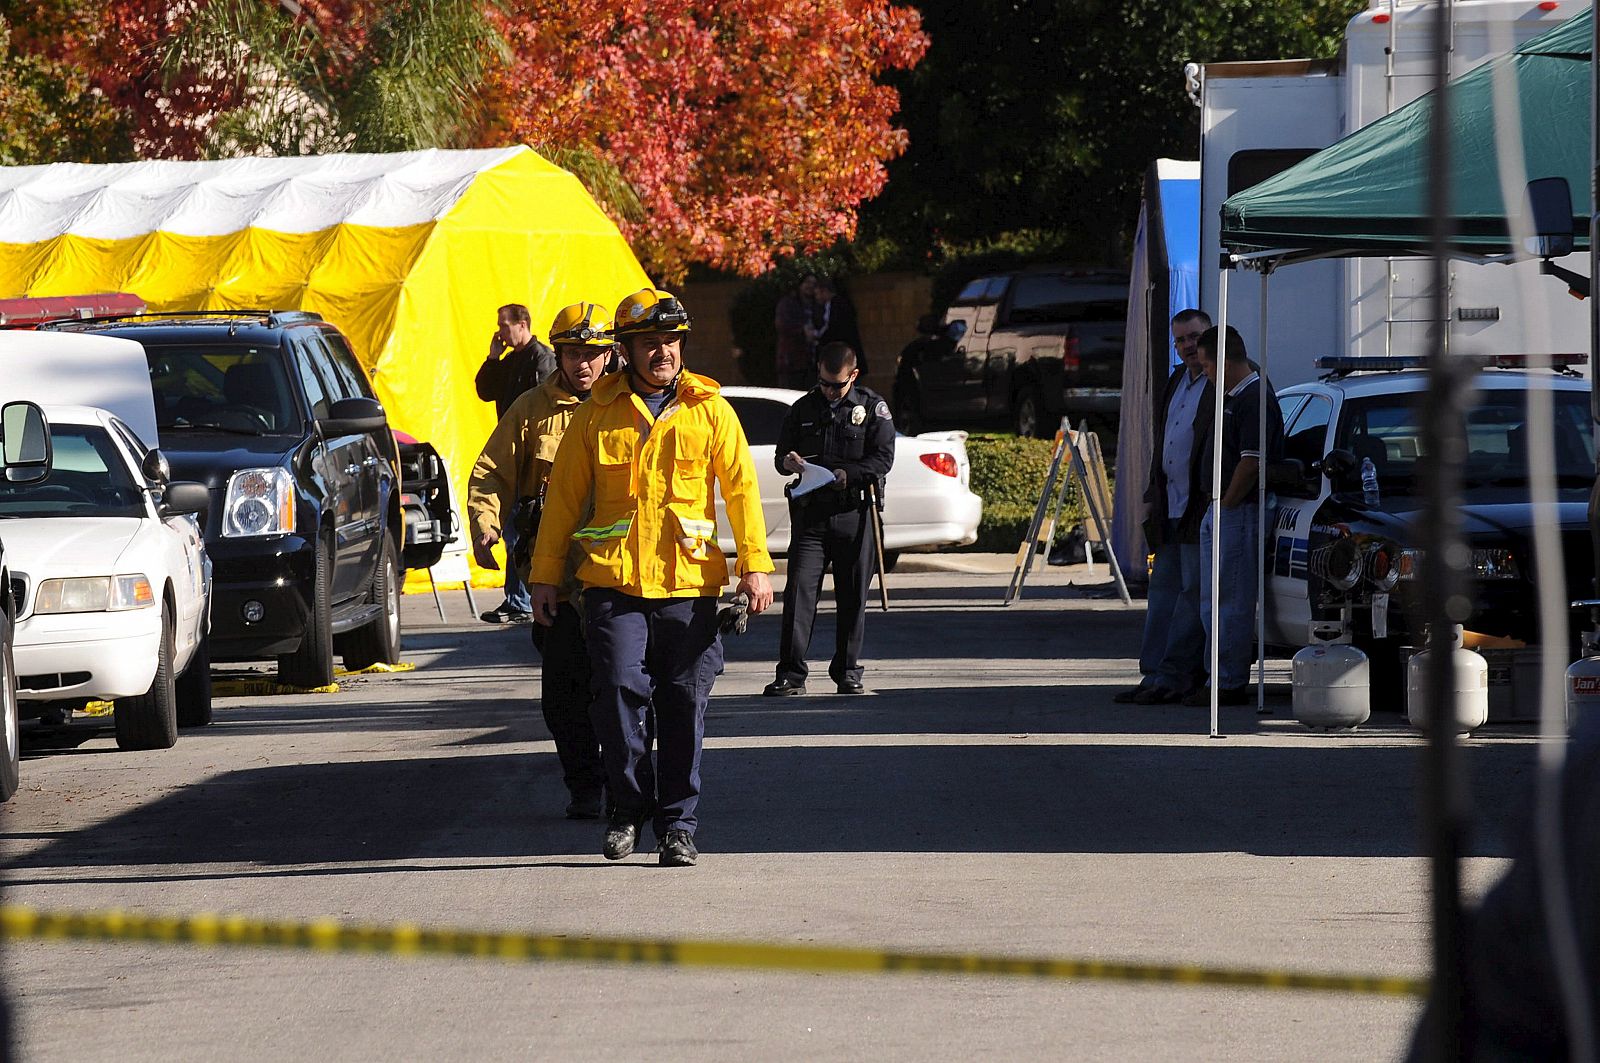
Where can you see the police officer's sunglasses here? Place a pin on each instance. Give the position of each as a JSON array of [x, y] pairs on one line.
[[836, 385]]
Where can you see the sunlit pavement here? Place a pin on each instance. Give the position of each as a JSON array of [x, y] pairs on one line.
[[987, 796]]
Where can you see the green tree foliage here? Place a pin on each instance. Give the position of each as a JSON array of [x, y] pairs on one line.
[[399, 77], [49, 111], [1032, 122]]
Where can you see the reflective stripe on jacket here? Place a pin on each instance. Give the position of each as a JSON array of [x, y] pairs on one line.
[[636, 493]]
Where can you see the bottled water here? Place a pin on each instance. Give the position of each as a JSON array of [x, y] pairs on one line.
[[1369, 482]]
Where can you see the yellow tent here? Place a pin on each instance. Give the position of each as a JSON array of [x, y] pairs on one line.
[[408, 254]]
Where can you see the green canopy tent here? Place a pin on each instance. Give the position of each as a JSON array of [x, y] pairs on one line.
[[1367, 194]]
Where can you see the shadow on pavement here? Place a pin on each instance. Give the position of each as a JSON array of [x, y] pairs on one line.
[[790, 797]]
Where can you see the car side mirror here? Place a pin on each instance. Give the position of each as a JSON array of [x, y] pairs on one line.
[[354, 415], [25, 439], [185, 496], [155, 469], [1341, 468], [1550, 203], [1287, 475]]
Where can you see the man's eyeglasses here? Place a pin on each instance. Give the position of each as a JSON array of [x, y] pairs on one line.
[[836, 385]]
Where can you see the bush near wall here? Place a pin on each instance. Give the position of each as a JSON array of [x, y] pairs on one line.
[[1008, 473]]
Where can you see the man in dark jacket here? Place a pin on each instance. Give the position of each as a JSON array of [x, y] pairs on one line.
[[517, 362], [1172, 651], [836, 321], [843, 428]]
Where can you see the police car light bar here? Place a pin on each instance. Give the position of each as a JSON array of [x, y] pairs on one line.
[[1371, 363], [1394, 363]]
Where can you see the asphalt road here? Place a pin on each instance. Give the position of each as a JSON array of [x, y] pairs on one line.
[[988, 797]]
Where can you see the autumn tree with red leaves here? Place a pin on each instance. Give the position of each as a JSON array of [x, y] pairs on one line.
[[727, 133], [747, 129]]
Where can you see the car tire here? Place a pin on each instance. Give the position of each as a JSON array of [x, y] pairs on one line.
[[194, 688], [11, 761], [1027, 416], [312, 664], [378, 641], [150, 720]]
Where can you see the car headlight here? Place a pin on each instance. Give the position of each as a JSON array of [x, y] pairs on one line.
[[1338, 562], [1383, 567], [94, 594], [1494, 564], [259, 502], [1487, 563]]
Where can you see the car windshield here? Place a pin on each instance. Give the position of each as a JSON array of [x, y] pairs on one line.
[[88, 478], [1388, 430], [238, 389]]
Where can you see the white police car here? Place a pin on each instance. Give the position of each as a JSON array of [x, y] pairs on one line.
[[1337, 542], [109, 579]]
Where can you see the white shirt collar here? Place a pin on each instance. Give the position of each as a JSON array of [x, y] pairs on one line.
[[1246, 382]]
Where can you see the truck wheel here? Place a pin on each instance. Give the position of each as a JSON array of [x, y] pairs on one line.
[[150, 720], [1028, 416], [378, 642], [312, 664], [11, 761], [194, 688]]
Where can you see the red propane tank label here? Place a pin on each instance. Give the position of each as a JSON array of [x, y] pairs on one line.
[[1585, 686]]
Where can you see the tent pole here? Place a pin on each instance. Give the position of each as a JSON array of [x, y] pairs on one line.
[[1261, 505], [1444, 792], [1216, 486]]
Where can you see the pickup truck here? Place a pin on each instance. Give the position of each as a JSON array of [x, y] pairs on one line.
[[1023, 348]]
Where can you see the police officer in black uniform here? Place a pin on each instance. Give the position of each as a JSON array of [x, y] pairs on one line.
[[844, 428]]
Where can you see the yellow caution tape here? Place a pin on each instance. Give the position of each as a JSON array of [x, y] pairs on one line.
[[403, 939], [99, 708], [255, 688], [379, 668]]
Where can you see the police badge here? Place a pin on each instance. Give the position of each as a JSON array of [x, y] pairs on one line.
[[858, 414]]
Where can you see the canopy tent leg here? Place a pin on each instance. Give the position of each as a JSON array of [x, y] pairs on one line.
[[1216, 488], [1261, 506]]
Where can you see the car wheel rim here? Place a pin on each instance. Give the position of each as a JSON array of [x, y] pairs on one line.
[[391, 601], [13, 725]]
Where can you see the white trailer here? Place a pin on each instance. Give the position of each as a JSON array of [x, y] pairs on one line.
[[1258, 118]]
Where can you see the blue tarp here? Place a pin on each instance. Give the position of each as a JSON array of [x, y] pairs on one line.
[[1180, 222]]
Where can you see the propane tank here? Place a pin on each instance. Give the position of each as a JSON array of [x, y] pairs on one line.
[[1332, 686], [1583, 689], [1469, 685]]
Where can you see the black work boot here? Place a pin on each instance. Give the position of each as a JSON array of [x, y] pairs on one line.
[[785, 688], [622, 834], [677, 849]]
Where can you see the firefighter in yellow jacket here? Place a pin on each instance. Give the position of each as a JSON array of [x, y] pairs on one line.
[[633, 484], [510, 475]]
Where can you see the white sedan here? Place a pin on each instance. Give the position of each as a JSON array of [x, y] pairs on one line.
[[926, 503], [110, 582]]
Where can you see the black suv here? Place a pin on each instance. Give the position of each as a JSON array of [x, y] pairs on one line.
[[273, 413]]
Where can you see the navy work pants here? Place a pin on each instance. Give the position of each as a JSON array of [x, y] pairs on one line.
[[659, 654], [846, 540], [564, 700]]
